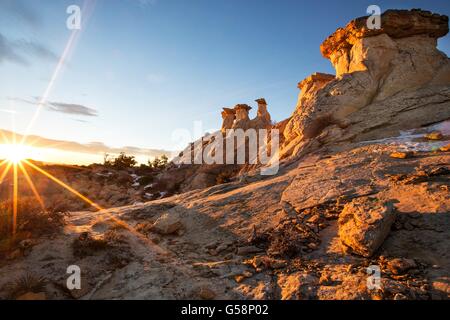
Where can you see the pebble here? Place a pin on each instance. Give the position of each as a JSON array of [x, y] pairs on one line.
[[401, 155], [206, 293], [242, 251], [435, 135]]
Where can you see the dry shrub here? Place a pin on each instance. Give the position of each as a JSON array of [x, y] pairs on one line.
[[32, 223], [29, 282]]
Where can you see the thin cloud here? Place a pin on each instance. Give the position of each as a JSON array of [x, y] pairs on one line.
[[62, 107], [71, 108], [21, 51], [22, 11], [37, 49], [8, 53]]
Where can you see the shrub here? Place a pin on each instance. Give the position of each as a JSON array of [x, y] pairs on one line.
[[28, 282], [159, 163], [122, 161]]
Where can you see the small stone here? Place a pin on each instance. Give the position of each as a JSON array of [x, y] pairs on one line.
[[401, 155], [242, 251], [314, 219], [399, 266], [167, 224], [221, 248], [435, 135], [206, 293], [211, 245], [400, 296], [155, 239], [212, 252], [445, 148]]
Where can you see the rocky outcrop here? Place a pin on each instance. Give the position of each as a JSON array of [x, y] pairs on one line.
[[394, 23], [364, 223], [228, 116], [387, 80], [262, 120], [242, 118]]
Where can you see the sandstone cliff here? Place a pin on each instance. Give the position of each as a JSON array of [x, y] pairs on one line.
[[387, 80]]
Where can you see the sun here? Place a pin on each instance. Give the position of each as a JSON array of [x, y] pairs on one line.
[[14, 153]]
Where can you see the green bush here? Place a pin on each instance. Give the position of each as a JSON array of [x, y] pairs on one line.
[[122, 161]]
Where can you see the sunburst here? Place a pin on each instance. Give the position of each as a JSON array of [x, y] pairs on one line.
[[18, 152]]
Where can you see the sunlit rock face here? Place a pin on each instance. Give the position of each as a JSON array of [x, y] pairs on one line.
[[228, 116], [242, 119], [387, 80]]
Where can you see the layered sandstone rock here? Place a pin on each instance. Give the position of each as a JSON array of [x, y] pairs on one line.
[[262, 120], [387, 80], [364, 224], [242, 119], [228, 116]]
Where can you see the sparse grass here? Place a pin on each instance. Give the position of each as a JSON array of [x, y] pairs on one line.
[[29, 282], [32, 223]]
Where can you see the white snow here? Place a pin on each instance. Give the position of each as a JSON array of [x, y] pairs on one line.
[[405, 141]]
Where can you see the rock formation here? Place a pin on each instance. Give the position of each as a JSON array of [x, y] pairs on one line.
[[242, 118], [228, 116], [387, 80], [262, 120]]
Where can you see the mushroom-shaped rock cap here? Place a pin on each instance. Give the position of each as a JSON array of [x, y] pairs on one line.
[[261, 101], [242, 106], [228, 111], [394, 23], [316, 77]]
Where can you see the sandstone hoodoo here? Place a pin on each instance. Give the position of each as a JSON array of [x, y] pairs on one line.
[[228, 116], [387, 80], [262, 120], [242, 117]]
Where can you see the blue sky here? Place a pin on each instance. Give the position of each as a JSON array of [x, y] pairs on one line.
[[149, 67]]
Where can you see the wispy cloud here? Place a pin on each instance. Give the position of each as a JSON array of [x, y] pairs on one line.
[[62, 107], [20, 51], [22, 11], [71, 108], [8, 52]]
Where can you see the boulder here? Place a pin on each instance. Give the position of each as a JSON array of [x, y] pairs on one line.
[[364, 223], [168, 223]]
